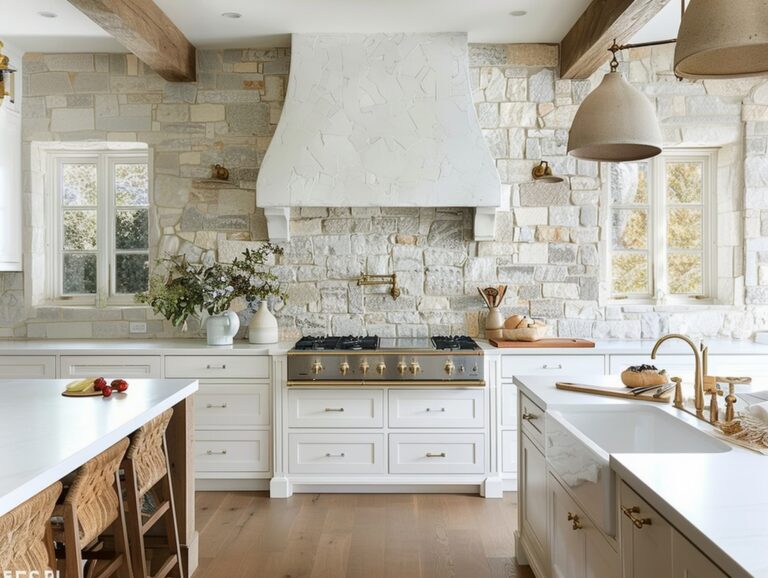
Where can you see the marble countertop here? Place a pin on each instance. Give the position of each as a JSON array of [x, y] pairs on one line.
[[44, 436], [719, 501], [199, 347]]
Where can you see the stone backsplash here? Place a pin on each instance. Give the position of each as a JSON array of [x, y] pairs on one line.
[[548, 246]]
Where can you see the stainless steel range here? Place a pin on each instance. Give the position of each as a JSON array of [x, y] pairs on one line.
[[444, 361]]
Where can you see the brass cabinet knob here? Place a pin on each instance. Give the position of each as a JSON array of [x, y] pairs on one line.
[[449, 367], [364, 367], [575, 521], [344, 368], [637, 522], [381, 368]]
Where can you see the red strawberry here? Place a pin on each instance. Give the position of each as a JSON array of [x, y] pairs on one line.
[[99, 383], [106, 392], [122, 385]]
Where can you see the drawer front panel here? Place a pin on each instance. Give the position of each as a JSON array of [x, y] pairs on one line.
[[217, 366], [531, 418], [509, 451], [226, 404], [111, 366], [508, 405], [232, 451], [335, 408], [512, 365], [436, 453], [434, 409], [336, 453], [28, 367]]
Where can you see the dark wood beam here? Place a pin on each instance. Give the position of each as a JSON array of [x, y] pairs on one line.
[[144, 29], [585, 48]]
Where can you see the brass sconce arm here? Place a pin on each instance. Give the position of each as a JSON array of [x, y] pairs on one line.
[[382, 280]]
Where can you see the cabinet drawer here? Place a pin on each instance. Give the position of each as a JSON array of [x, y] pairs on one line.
[[512, 365], [532, 420], [335, 408], [232, 451], [217, 366], [436, 453], [227, 404], [509, 451], [336, 453], [28, 367], [418, 408], [111, 366], [508, 405]]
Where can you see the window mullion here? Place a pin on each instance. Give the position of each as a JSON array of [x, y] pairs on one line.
[[104, 209]]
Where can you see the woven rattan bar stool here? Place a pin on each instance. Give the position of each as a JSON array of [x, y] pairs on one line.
[[92, 507], [149, 499], [26, 543]]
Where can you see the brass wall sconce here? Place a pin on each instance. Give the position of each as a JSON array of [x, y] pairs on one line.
[[5, 74], [543, 173], [382, 280]]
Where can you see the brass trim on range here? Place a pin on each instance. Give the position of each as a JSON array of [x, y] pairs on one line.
[[400, 352], [408, 383]]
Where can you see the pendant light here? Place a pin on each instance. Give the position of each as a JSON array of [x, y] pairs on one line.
[[615, 123], [723, 39]]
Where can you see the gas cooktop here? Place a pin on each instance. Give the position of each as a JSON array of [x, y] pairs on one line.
[[373, 343]]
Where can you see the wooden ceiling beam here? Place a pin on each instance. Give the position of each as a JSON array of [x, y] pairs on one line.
[[585, 47], [144, 29]]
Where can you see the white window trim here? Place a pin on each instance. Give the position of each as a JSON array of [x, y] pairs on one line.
[[657, 240], [54, 235]]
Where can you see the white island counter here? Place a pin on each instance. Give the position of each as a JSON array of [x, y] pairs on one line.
[[45, 436]]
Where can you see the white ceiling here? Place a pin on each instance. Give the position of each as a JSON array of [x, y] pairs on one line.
[[269, 22]]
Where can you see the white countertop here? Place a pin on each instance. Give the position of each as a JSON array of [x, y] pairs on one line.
[[44, 436], [199, 347], [719, 501]]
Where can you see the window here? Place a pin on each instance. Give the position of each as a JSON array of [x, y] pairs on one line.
[[662, 227], [99, 242]]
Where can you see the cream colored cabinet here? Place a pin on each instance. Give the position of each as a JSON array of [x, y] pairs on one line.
[[652, 548], [28, 367], [110, 366], [578, 549], [532, 508]]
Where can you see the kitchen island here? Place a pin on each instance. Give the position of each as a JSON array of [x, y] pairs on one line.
[[694, 510], [44, 436]]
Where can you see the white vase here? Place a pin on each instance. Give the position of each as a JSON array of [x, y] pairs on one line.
[[263, 326], [221, 329]]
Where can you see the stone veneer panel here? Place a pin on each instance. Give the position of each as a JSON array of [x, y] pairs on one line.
[[548, 244]]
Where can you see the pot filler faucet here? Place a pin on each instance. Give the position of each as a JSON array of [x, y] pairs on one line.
[[700, 368]]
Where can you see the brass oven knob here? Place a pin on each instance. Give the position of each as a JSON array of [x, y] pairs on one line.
[[415, 367], [381, 368], [449, 367], [344, 368], [401, 367], [364, 367], [317, 367]]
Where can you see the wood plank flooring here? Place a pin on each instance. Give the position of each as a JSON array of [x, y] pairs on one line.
[[248, 535]]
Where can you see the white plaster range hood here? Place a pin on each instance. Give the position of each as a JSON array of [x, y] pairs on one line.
[[378, 120]]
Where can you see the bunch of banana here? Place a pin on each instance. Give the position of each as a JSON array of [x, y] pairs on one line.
[[81, 385]]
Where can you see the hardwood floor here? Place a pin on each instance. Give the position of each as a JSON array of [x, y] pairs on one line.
[[247, 535]]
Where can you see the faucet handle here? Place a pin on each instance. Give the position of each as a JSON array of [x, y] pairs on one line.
[[678, 403], [714, 411]]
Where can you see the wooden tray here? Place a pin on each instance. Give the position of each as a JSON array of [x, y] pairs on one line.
[[614, 391], [81, 393], [554, 342]]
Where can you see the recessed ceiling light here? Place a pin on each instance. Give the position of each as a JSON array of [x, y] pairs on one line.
[[518, 13], [46, 14], [232, 15]]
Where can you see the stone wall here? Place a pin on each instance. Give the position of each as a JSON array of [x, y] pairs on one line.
[[548, 246]]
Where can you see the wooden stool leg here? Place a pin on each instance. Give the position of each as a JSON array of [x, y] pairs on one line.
[[73, 563], [133, 521], [170, 517], [121, 536]]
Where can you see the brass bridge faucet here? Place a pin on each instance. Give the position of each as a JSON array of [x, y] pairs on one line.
[[382, 280], [700, 369]]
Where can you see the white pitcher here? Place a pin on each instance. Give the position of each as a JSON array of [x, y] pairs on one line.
[[221, 328]]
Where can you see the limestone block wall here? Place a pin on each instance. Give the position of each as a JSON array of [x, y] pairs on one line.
[[548, 246]]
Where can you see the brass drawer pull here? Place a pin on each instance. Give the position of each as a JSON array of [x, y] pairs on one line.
[[638, 522], [222, 366], [528, 416], [216, 405], [575, 521], [334, 409], [435, 455], [442, 409], [341, 455], [216, 453]]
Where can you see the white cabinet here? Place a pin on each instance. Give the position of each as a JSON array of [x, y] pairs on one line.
[[217, 366], [331, 453], [447, 408], [689, 562], [28, 367], [532, 504], [436, 453], [578, 549], [224, 452], [110, 366], [581, 364], [335, 408], [226, 405]]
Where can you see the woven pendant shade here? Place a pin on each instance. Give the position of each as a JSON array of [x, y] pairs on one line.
[[723, 39], [615, 123]]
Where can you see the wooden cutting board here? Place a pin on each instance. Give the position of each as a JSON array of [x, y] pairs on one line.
[[554, 342], [614, 391]]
